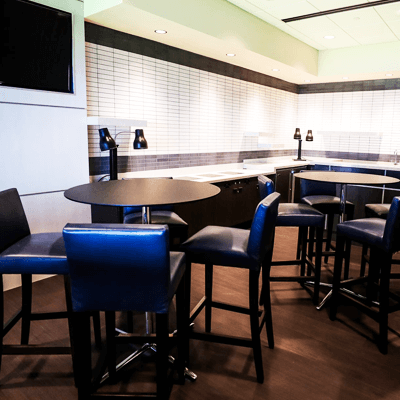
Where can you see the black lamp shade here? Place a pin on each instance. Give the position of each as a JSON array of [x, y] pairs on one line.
[[140, 142], [309, 136], [297, 134], [106, 141]]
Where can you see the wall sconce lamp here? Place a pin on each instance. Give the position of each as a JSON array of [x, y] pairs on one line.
[[108, 143], [297, 136]]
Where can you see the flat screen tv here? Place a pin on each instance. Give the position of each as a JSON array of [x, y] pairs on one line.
[[36, 47]]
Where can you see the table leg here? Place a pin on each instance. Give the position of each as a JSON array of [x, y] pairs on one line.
[[343, 196]]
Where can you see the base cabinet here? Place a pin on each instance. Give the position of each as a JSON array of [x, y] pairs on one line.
[[233, 206]]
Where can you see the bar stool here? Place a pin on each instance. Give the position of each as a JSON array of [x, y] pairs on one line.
[[161, 215], [24, 253], [306, 218], [383, 238], [322, 196], [116, 267], [372, 211], [238, 248]]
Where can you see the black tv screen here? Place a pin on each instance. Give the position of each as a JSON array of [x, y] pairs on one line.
[[36, 47]]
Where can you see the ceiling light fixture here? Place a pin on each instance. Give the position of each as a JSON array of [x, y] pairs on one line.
[[329, 37], [389, 74], [307, 80], [338, 10], [345, 77], [231, 54], [160, 31], [275, 69]]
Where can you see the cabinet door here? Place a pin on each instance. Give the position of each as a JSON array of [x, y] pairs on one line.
[[284, 184]]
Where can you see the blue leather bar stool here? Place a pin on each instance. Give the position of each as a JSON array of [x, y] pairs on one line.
[[238, 248], [24, 253], [372, 211], [161, 215], [322, 196], [306, 218], [116, 267], [383, 238]]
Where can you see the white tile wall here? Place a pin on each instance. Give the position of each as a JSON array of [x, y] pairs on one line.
[[193, 111], [364, 122], [187, 110]]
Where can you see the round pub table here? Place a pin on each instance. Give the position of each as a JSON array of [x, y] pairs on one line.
[[108, 198]]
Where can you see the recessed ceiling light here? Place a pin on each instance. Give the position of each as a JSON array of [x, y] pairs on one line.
[[160, 31], [345, 77], [231, 54], [275, 69], [389, 74], [329, 37], [307, 80]]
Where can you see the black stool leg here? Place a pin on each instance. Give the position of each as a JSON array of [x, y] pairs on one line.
[[254, 322], [317, 264], [111, 344], [266, 299], [329, 229], [363, 259], [303, 231], [26, 286], [385, 262], [337, 272], [209, 285], [182, 324], [1, 317], [162, 356], [311, 238], [82, 354], [347, 259]]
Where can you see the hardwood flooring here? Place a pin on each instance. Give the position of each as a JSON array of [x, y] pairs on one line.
[[313, 358]]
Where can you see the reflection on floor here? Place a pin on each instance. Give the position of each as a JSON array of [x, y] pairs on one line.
[[313, 357]]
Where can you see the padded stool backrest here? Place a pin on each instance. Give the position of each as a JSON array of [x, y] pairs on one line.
[[138, 209], [391, 235], [314, 188], [13, 223], [263, 227], [265, 186], [116, 267]]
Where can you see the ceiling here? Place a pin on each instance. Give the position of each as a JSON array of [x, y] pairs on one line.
[[370, 25], [366, 43]]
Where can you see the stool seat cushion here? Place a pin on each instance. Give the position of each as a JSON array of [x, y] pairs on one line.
[[219, 245], [39, 253], [366, 230], [325, 203], [377, 210], [160, 217], [295, 214]]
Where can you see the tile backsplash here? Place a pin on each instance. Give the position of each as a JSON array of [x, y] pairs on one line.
[[196, 116]]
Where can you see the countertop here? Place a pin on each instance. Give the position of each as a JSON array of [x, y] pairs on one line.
[[249, 168]]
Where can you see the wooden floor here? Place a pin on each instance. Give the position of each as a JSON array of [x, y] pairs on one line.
[[313, 357]]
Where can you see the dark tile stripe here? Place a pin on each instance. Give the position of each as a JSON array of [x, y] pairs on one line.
[[118, 40]]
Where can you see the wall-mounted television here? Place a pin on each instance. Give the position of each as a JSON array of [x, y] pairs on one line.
[[36, 47]]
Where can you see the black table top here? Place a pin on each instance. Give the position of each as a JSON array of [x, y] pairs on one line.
[[141, 192], [346, 177]]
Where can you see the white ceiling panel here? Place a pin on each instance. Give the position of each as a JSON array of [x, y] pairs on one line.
[[389, 12], [285, 8], [317, 28], [364, 26], [324, 5], [356, 18], [395, 28], [374, 33]]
